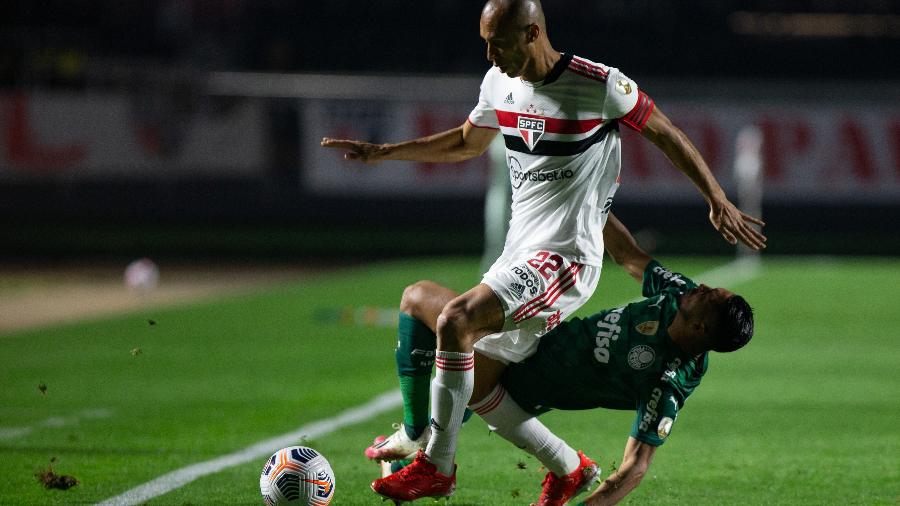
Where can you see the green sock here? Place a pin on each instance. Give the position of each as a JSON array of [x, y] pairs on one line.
[[416, 344], [416, 410], [415, 358]]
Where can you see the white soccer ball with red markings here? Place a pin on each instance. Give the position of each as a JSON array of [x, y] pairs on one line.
[[297, 475]]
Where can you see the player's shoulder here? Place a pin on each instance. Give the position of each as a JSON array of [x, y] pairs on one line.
[[585, 68]]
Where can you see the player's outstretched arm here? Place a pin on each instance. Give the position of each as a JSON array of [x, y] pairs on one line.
[[634, 466], [623, 249], [461, 143], [733, 224]]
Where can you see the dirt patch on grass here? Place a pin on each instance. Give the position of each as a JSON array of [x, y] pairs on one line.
[[38, 295]]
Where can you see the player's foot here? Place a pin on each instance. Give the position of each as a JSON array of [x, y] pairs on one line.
[[415, 481], [559, 491], [398, 445]]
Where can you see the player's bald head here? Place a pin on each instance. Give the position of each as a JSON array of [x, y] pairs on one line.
[[517, 13]]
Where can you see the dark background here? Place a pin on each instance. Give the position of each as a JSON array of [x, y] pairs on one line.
[[104, 44]]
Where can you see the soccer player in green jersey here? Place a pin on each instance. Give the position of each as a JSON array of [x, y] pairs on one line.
[[648, 356]]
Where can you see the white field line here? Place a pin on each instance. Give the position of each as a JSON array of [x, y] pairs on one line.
[[54, 422], [180, 477], [731, 273]]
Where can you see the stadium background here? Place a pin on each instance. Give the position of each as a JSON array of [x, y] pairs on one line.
[[140, 129], [187, 132]]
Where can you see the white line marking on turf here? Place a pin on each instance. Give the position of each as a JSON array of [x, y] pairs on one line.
[[54, 422], [180, 477], [731, 273]]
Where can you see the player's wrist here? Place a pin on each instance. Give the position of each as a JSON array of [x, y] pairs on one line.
[[717, 199]]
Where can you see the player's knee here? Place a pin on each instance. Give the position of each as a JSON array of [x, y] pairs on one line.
[[414, 297], [453, 323]]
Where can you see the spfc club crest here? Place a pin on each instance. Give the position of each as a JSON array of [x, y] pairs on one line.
[[531, 130]]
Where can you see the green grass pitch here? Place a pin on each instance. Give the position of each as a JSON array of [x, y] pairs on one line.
[[807, 414]]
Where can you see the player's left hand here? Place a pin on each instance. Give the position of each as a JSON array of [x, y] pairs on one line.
[[734, 225]]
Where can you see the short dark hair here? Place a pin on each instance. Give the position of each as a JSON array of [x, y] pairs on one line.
[[734, 325]]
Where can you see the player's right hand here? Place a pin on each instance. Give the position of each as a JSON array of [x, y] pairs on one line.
[[735, 225], [365, 152]]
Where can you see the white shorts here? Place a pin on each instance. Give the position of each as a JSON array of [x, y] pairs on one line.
[[537, 290]]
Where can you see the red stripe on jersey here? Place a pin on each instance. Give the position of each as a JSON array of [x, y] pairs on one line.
[[589, 65], [538, 301], [549, 300], [551, 125], [562, 284], [480, 126], [588, 70], [640, 113], [528, 306]]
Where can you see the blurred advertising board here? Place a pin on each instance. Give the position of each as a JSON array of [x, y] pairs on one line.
[[811, 152], [815, 153], [46, 135], [385, 121]]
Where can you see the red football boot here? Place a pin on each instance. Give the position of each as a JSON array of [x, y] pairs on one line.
[[559, 491], [415, 481]]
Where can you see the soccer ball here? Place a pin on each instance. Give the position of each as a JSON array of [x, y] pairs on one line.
[[141, 275], [297, 475]]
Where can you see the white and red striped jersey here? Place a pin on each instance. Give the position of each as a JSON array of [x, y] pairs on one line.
[[563, 151]]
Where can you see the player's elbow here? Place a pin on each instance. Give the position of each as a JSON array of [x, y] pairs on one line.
[[467, 151]]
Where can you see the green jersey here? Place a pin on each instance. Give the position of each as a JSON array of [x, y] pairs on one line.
[[621, 358]]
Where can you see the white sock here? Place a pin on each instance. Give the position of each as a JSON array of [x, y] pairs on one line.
[[450, 392], [512, 423]]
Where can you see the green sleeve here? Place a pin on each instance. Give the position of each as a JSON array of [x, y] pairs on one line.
[[657, 278], [665, 400], [663, 403]]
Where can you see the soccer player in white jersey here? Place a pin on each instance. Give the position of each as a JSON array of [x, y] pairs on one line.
[[559, 115]]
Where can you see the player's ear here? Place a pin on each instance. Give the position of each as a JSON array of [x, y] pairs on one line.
[[699, 327], [532, 32]]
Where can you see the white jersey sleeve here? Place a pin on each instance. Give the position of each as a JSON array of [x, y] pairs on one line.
[[621, 94], [484, 114], [625, 101]]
